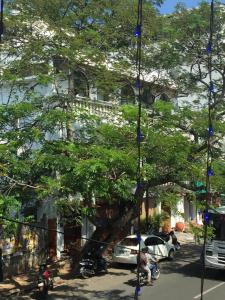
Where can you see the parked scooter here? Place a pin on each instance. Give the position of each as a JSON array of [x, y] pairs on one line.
[[45, 281], [90, 266], [143, 276]]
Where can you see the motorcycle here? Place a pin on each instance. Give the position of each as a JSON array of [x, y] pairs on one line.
[[93, 266], [143, 276], [45, 281]]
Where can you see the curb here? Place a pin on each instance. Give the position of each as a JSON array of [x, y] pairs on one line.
[[24, 289], [11, 292]]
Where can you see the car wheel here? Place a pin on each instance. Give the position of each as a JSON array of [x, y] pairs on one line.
[[171, 254]]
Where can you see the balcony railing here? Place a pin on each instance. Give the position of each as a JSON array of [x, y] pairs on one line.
[[96, 107]]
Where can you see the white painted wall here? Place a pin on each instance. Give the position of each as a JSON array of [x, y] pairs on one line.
[[86, 231], [175, 217], [158, 208], [59, 239], [48, 208]]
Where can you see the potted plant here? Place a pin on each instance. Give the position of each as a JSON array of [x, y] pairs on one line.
[[180, 226]]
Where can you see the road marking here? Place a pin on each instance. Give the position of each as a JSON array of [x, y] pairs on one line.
[[209, 290]]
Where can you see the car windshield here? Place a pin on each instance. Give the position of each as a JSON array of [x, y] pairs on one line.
[[217, 221], [129, 242]]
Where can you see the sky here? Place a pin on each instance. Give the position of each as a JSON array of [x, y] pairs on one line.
[[168, 6]]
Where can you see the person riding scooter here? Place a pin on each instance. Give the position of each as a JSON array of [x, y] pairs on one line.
[[148, 264]]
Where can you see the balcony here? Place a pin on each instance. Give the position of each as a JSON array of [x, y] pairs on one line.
[[96, 107]]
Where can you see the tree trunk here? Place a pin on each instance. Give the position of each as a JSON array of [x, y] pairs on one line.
[[107, 236]]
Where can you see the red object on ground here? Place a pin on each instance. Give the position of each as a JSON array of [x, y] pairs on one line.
[[180, 226]]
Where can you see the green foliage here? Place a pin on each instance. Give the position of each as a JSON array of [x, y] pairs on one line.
[[169, 199], [183, 41], [198, 232], [70, 210], [46, 155], [9, 208], [155, 221]]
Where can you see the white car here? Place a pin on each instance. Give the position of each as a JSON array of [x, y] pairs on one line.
[[160, 248], [126, 251]]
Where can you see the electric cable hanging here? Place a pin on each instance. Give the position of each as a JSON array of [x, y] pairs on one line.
[[160, 256], [1, 19], [209, 170], [138, 34]]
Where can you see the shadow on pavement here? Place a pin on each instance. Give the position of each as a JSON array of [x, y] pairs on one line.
[[187, 262], [117, 273], [123, 266], [82, 293]]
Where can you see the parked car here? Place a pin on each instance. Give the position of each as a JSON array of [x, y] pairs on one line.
[[159, 247], [126, 251]]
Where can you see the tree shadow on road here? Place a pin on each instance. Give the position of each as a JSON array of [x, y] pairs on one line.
[[116, 273], [115, 270], [188, 263], [82, 293]]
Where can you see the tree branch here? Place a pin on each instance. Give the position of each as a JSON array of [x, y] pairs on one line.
[[21, 183]]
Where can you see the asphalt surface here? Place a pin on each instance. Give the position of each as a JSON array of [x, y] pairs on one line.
[[179, 280]]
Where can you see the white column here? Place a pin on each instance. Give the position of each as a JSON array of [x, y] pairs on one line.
[[59, 239], [158, 208], [87, 230], [176, 214], [173, 219]]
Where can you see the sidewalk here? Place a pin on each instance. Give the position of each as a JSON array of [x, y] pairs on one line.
[[16, 284], [184, 237], [27, 282]]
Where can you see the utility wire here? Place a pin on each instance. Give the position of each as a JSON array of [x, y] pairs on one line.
[[209, 171], [160, 256]]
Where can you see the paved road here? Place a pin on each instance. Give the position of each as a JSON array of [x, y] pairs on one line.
[[179, 280]]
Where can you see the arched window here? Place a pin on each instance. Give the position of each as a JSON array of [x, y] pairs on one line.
[[147, 97], [80, 84], [127, 95], [102, 95], [164, 97]]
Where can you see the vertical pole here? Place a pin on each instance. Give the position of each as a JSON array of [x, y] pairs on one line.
[[1, 20], [138, 34], [209, 171], [1, 266]]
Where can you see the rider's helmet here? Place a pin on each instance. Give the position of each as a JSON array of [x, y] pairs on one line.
[[145, 249]]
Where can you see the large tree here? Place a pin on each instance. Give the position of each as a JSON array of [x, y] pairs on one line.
[[52, 41], [191, 58], [97, 160]]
